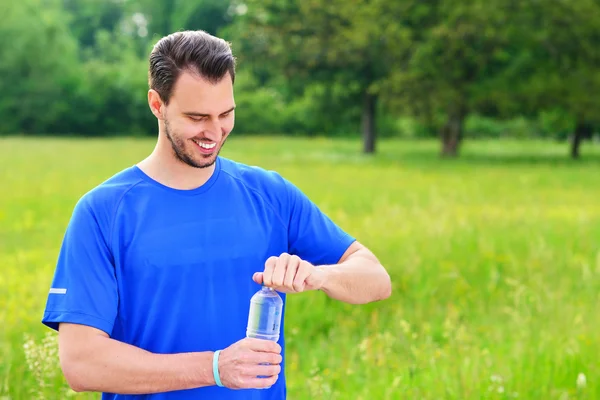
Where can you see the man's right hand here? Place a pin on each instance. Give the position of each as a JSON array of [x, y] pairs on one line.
[[240, 364]]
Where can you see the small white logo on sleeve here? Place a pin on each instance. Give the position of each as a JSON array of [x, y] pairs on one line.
[[58, 291]]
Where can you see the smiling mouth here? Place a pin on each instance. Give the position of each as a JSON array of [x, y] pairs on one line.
[[205, 146]]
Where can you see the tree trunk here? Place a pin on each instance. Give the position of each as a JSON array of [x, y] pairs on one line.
[[368, 122], [451, 133], [582, 130]]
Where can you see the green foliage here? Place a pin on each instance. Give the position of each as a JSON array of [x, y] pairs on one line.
[[556, 123], [88, 17], [493, 257], [37, 57], [460, 60], [265, 109], [334, 43], [258, 107], [566, 74], [477, 126], [112, 94], [309, 67]]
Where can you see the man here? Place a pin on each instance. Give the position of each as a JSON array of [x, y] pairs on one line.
[[153, 282]]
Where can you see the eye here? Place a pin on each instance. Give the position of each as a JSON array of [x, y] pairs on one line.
[[197, 119]]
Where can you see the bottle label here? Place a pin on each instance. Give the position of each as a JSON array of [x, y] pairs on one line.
[[264, 320], [276, 320]]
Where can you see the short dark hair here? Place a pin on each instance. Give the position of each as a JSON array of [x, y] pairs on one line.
[[196, 51]]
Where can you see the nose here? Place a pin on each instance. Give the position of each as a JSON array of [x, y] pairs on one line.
[[212, 130]]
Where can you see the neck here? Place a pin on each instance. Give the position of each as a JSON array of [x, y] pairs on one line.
[[163, 166]]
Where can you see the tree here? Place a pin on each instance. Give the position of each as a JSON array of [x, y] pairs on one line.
[[462, 59], [37, 59], [165, 17], [334, 42], [566, 74]]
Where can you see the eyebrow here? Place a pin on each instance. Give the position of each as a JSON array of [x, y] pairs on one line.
[[197, 114]]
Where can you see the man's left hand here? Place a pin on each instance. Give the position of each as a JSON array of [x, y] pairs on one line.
[[290, 274]]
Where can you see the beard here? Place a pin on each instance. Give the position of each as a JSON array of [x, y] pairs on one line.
[[179, 148]]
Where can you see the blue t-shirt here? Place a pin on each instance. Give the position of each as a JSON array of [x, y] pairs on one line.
[[170, 270]]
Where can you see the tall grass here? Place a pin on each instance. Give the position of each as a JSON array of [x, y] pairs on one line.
[[494, 259]]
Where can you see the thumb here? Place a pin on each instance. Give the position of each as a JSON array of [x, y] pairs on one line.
[[258, 277]]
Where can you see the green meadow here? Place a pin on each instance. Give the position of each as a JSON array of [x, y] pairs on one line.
[[494, 258]]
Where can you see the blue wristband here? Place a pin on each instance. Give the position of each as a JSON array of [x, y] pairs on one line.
[[216, 368]]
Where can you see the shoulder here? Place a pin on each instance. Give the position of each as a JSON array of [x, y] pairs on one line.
[[252, 175], [102, 201], [268, 183], [266, 186]]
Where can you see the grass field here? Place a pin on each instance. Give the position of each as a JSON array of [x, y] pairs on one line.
[[494, 257]]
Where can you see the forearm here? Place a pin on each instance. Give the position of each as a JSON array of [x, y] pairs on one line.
[[359, 279], [107, 365]]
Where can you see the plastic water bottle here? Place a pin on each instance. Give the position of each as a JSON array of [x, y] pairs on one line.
[[264, 317]]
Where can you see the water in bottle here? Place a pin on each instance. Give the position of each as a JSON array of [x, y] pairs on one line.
[[264, 317]]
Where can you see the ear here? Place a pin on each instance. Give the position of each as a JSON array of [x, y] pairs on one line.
[[156, 104]]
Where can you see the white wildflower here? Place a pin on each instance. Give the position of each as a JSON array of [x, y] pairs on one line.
[[42, 361], [581, 381]]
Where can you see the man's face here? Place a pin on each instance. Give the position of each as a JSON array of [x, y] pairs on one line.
[[198, 119]]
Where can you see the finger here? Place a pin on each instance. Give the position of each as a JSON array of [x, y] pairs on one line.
[[266, 370], [279, 272], [260, 383], [268, 358], [263, 345], [254, 358], [258, 277], [268, 272], [303, 273], [291, 271]]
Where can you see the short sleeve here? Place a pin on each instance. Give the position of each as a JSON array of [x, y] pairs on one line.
[[84, 287], [312, 235]]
